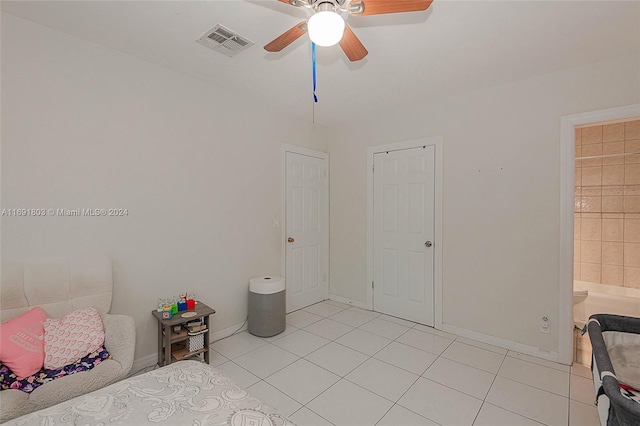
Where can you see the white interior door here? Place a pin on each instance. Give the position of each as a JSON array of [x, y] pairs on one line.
[[307, 230], [403, 234]]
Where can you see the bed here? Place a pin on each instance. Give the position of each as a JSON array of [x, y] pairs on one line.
[[615, 367], [183, 393]]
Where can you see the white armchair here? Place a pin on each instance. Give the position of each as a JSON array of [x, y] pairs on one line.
[[59, 288]]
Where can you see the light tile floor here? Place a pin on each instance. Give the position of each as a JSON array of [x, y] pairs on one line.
[[344, 366]]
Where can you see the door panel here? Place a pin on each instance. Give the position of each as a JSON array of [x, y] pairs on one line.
[[390, 208], [294, 282], [403, 184], [390, 272], [416, 207], [416, 276], [307, 225]]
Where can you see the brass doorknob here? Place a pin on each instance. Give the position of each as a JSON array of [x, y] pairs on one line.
[[291, 239]]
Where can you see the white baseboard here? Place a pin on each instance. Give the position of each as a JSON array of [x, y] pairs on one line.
[[152, 359], [480, 337], [502, 343], [348, 301]]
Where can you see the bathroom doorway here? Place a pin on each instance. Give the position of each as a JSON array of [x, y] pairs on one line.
[[600, 228], [606, 274]]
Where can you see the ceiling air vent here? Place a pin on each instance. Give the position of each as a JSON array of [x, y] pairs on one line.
[[224, 40]]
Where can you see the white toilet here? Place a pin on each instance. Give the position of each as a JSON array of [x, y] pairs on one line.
[[579, 319], [579, 313], [579, 295]]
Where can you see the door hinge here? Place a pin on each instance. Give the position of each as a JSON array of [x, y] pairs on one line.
[[373, 285], [373, 169], [325, 277]]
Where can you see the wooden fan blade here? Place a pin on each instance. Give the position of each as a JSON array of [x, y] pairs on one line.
[[287, 38], [378, 7], [352, 46]]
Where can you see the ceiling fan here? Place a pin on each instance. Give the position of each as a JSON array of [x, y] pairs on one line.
[[326, 27]]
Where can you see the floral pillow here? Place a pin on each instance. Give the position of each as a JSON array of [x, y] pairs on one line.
[[8, 380], [71, 337]]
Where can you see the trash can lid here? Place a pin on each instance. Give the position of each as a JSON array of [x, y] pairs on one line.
[[266, 285]]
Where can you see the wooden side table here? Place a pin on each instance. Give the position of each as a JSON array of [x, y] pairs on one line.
[[168, 351]]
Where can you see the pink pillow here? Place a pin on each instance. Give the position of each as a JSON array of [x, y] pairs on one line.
[[71, 337], [21, 342]]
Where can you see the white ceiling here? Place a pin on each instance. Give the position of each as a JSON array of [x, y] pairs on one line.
[[454, 46]]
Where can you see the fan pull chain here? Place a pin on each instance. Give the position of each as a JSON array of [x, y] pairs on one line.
[[313, 68], [313, 62]]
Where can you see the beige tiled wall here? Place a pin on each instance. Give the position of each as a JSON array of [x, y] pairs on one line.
[[607, 204]]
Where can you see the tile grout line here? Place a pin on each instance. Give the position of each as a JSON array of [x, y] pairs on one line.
[[489, 390], [290, 396], [477, 368], [304, 357], [513, 412], [279, 390], [396, 403], [304, 406], [308, 360], [404, 369], [315, 397], [522, 415], [536, 387], [454, 338], [319, 366], [393, 403], [332, 340], [345, 346], [372, 357], [299, 358], [414, 382], [537, 363], [567, 397]]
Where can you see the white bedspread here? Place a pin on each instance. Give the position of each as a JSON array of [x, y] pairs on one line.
[[183, 393]]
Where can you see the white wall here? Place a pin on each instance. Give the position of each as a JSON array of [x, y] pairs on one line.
[[197, 167], [85, 126], [501, 211]]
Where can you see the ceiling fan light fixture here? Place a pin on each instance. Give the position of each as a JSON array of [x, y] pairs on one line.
[[326, 28]]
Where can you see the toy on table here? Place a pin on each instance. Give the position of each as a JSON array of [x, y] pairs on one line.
[[182, 303], [167, 310], [171, 306], [191, 300]]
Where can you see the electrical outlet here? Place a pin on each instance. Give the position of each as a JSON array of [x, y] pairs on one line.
[[544, 325]]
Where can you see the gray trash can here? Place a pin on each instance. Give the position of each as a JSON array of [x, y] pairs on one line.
[[267, 306]]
